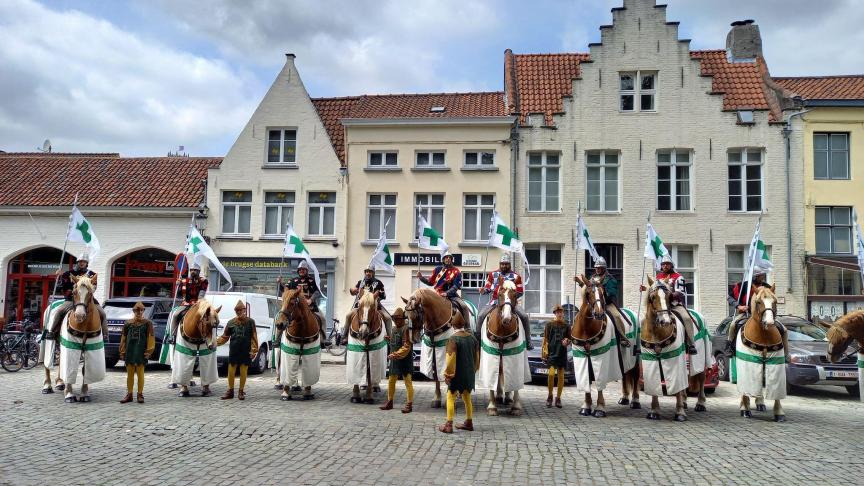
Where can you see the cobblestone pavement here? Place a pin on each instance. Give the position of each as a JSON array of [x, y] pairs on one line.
[[169, 440]]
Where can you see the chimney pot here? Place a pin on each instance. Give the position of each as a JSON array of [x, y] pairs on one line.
[[744, 42]]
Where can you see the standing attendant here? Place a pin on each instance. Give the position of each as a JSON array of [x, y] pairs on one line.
[[554, 353], [243, 335], [401, 361], [463, 360], [137, 343]]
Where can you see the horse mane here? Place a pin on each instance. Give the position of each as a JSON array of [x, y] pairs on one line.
[[87, 282], [844, 323], [367, 299], [204, 306], [758, 296]]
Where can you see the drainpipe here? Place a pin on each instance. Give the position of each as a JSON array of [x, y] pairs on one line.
[[787, 132], [514, 157]]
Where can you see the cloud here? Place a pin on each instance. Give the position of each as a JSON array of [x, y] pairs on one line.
[[89, 86]]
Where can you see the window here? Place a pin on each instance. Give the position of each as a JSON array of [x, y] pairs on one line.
[[833, 229], [431, 206], [543, 180], [831, 155], [382, 207], [614, 255], [745, 180], [736, 267], [383, 159], [476, 160], [282, 146], [322, 214], [236, 212], [639, 85], [544, 288], [472, 282], [278, 212], [602, 181], [430, 159], [477, 216], [825, 280], [684, 257], [673, 180]]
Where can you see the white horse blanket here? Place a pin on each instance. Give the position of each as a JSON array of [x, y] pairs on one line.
[[861, 376], [516, 369], [72, 349], [299, 367], [671, 361], [631, 328], [183, 361], [47, 347], [603, 361], [704, 357], [751, 367], [355, 366], [434, 350], [167, 352]]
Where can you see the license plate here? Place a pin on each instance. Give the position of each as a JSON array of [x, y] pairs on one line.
[[841, 374], [115, 328], [542, 371]]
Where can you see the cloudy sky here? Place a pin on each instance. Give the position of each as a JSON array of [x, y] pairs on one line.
[[144, 76]]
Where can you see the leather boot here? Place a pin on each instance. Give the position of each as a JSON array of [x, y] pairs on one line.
[[387, 406], [468, 425], [140, 398], [408, 408], [549, 401], [447, 428], [229, 394], [127, 398], [241, 395]]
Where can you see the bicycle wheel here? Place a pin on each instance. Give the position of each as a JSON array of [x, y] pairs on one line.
[[32, 356], [336, 349], [12, 361]]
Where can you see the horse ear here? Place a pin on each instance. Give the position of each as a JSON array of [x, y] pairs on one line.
[[94, 280], [404, 300], [650, 280], [773, 287], [217, 309], [74, 278]]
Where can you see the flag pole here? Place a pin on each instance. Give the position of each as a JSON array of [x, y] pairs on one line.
[[642, 275], [748, 274], [180, 272], [65, 242], [488, 240], [419, 211], [578, 248]]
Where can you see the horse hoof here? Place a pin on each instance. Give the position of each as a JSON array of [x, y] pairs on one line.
[[309, 397], [680, 417], [700, 408], [71, 399], [46, 391], [779, 418], [499, 400], [636, 405], [84, 399], [368, 401], [653, 416], [277, 387], [685, 405], [436, 404], [760, 407], [356, 400], [492, 412], [599, 413], [746, 414], [585, 412], [60, 387], [183, 394], [623, 401], [285, 398]]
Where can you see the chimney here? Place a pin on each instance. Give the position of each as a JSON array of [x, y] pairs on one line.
[[743, 43]]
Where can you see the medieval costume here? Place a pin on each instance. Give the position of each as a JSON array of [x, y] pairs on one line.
[[243, 337], [369, 284], [463, 360], [137, 343], [554, 353], [401, 361], [675, 282], [493, 281], [66, 286], [446, 279]]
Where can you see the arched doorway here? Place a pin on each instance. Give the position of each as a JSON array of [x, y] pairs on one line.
[[143, 273], [30, 280]]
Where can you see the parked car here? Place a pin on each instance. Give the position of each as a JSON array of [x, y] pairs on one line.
[[808, 355], [119, 309], [263, 308]]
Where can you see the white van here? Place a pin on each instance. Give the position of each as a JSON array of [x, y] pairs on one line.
[[263, 308]]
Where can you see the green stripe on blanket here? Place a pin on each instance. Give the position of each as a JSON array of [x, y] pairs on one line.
[[362, 348], [505, 351], [578, 353], [85, 347], [298, 352], [649, 355], [779, 360]]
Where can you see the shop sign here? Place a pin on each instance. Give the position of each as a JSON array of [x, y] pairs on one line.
[[472, 260], [828, 310], [427, 259]]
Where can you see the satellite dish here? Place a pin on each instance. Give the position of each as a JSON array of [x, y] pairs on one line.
[[46, 145]]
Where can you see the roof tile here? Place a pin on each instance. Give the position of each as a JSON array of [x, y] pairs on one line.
[[849, 87]]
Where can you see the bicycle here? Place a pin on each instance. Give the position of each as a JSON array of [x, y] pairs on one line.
[[333, 343], [20, 348]]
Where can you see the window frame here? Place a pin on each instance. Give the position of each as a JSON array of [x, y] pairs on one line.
[[280, 207], [323, 207], [383, 164], [743, 163], [427, 209], [237, 205], [831, 229], [828, 156], [478, 165], [282, 141], [544, 167], [431, 162], [382, 208], [674, 250], [479, 207], [730, 282], [602, 166], [673, 179], [538, 271], [637, 92]]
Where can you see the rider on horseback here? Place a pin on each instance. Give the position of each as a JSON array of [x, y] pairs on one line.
[[310, 289], [610, 286], [741, 300], [66, 286], [676, 284], [446, 279], [369, 284], [493, 283], [189, 290]]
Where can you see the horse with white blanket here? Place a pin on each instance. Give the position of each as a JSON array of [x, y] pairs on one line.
[[49, 351], [366, 363], [300, 364], [82, 338], [196, 338]]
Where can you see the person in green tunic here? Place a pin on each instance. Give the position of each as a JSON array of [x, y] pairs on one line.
[[554, 353], [136, 345], [401, 361], [462, 362], [243, 335]]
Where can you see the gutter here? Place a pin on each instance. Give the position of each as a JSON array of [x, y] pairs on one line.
[[787, 132]]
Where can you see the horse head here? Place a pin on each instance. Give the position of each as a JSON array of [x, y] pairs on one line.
[[838, 341], [82, 295], [208, 318], [763, 306], [367, 311], [507, 297], [595, 295], [414, 310], [658, 298], [292, 301]]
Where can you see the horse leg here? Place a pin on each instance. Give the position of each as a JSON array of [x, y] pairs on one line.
[[600, 409], [436, 403], [491, 409], [745, 407], [516, 407], [355, 394], [654, 414], [634, 384], [69, 396], [85, 393], [368, 398], [586, 405], [760, 404], [680, 406], [700, 401], [46, 383], [307, 393], [625, 390], [779, 414]]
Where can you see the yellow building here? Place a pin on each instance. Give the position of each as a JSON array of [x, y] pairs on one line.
[[833, 148], [446, 156]]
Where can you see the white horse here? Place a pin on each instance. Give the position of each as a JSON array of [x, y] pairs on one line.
[[81, 338]]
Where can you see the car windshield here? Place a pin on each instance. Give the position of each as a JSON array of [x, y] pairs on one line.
[[537, 327], [805, 332], [122, 310]]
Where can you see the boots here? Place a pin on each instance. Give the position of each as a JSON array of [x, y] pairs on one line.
[[558, 403], [549, 401], [468, 425], [447, 428], [229, 394], [387, 406], [127, 398], [241, 395], [408, 408], [140, 397]]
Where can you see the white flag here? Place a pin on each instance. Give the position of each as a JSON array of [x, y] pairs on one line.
[[294, 248], [860, 239], [500, 236], [382, 259], [197, 248], [758, 253], [583, 240], [80, 231], [430, 239], [654, 247]]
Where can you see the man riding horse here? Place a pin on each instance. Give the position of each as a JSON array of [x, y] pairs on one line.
[[493, 285], [677, 285], [741, 301], [310, 290], [446, 279], [66, 285], [189, 290], [610, 286], [373, 285]]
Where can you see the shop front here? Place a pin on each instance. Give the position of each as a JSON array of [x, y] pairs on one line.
[[144, 273], [30, 281], [833, 287]]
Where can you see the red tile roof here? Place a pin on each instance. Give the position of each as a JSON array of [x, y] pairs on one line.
[[849, 87], [740, 83], [456, 105], [538, 83], [104, 181], [104, 155]]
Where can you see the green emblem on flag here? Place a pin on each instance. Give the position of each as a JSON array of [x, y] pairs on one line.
[[433, 236], [387, 259], [84, 228], [195, 241], [763, 250], [657, 244], [506, 233], [299, 247]]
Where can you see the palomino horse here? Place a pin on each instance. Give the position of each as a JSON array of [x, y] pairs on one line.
[[195, 339], [759, 356], [664, 366], [367, 347], [436, 315], [300, 348], [595, 349], [81, 337], [502, 352], [49, 350], [840, 336]]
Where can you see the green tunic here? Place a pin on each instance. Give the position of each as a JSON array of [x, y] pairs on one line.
[[555, 332], [240, 344], [404, 366], [135, 341], [466, 347]]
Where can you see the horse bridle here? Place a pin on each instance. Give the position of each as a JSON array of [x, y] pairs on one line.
[[668, 310], [85, 305], [592, 288]]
